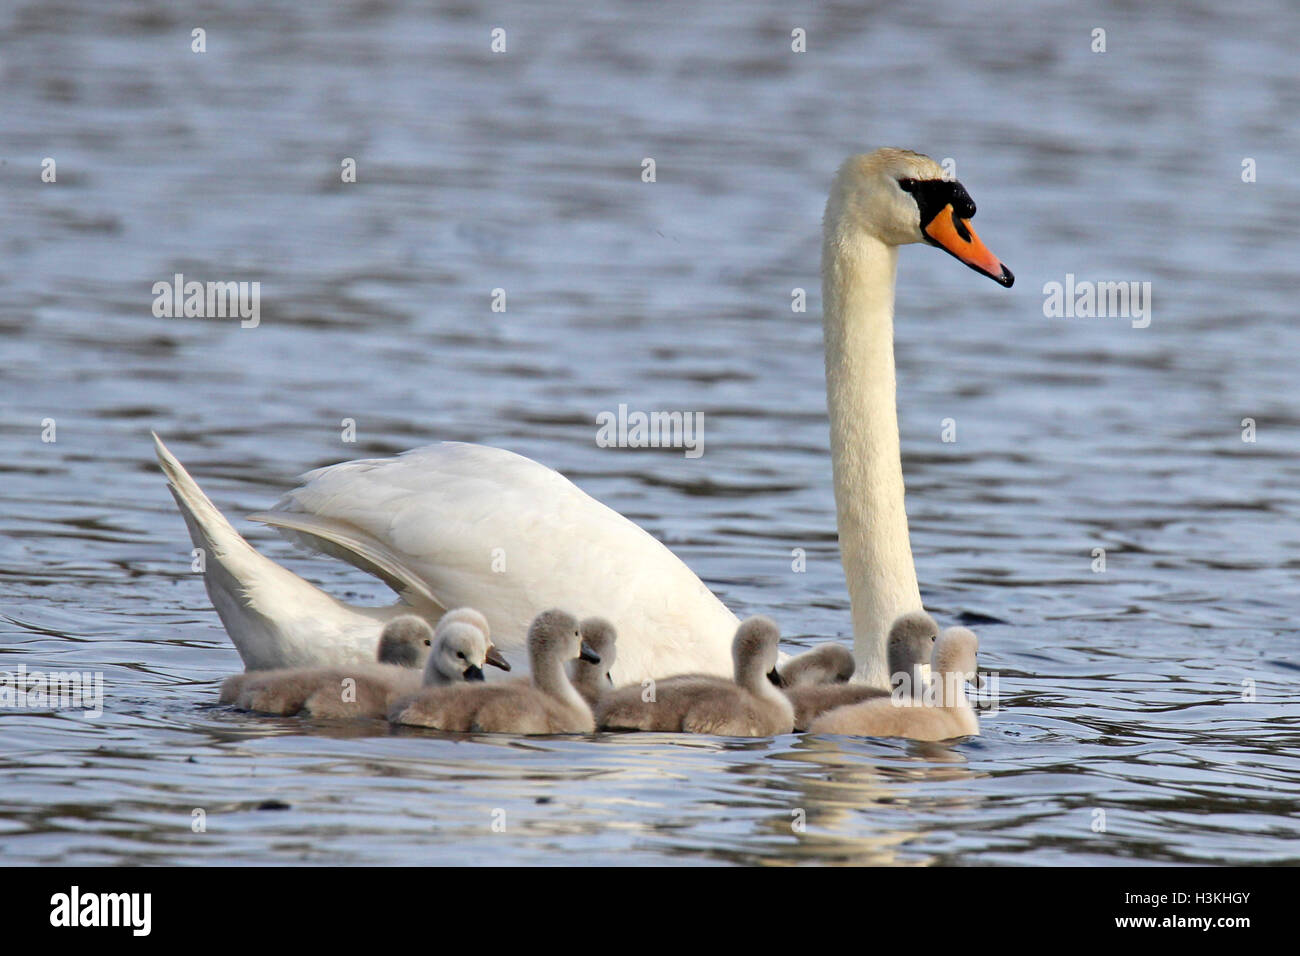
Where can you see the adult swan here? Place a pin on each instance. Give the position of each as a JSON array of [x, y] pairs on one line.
[[456, 524]]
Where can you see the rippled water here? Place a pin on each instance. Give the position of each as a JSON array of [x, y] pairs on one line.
[[1122, 691]]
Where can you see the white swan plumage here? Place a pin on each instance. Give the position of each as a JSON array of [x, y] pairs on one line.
[[454, 522], [461, 524], [440, 525]]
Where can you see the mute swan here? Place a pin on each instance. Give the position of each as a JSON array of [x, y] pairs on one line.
[[475, 617], [406, 641], [592, 680], [404, 645], [943, 712], [748, 706], [456, 651], [549, 705], [589, 679], [829, 663], [911, 641], [436, 522], [460, 652]]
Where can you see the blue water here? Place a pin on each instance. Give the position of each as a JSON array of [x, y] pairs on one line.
[[1127, 691]]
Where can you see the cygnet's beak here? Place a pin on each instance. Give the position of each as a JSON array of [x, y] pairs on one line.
[[775, 677], [588, 655], [495, 659], [473, 672]]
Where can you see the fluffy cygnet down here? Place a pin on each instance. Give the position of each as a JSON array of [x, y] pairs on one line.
[[943, 712], [452, 652], [592, 681], [829, 663], [549, 704], [475, 617], [459, 654], [911, 640], [748, 706]]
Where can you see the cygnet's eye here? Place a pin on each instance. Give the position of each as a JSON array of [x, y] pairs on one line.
[[428, 643], [461, 655]]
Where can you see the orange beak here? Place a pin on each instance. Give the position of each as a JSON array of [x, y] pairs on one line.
[[956, 237]]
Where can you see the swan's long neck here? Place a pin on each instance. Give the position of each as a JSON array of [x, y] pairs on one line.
[[550, 678], [858, 301], [750, 674]]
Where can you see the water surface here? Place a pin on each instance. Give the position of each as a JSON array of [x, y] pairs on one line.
[[1126, 691]]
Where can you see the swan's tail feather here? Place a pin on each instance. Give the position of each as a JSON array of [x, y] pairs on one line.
[[269, 612], [228, 559], [346, 542]]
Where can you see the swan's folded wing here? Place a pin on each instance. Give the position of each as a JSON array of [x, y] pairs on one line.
[[485, 527], [340, 540]]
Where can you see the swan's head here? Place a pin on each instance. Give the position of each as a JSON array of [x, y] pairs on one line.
[[406, 641], [909, 647], [556, 635], [599, 635], [954, 655], [754, 651], [829, 663], [899, 197], [472, 616], [459, 654]]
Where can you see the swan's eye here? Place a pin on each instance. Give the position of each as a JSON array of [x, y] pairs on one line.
[[907, 185], [461, 655], [428, 643]]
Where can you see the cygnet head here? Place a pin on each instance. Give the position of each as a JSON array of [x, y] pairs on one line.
[[899, 197], [406, 641], [828, 663], [469, 615], [599, 635], [955, 654], [555, 635], [754, 651], [910, 646], [459, 654]]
